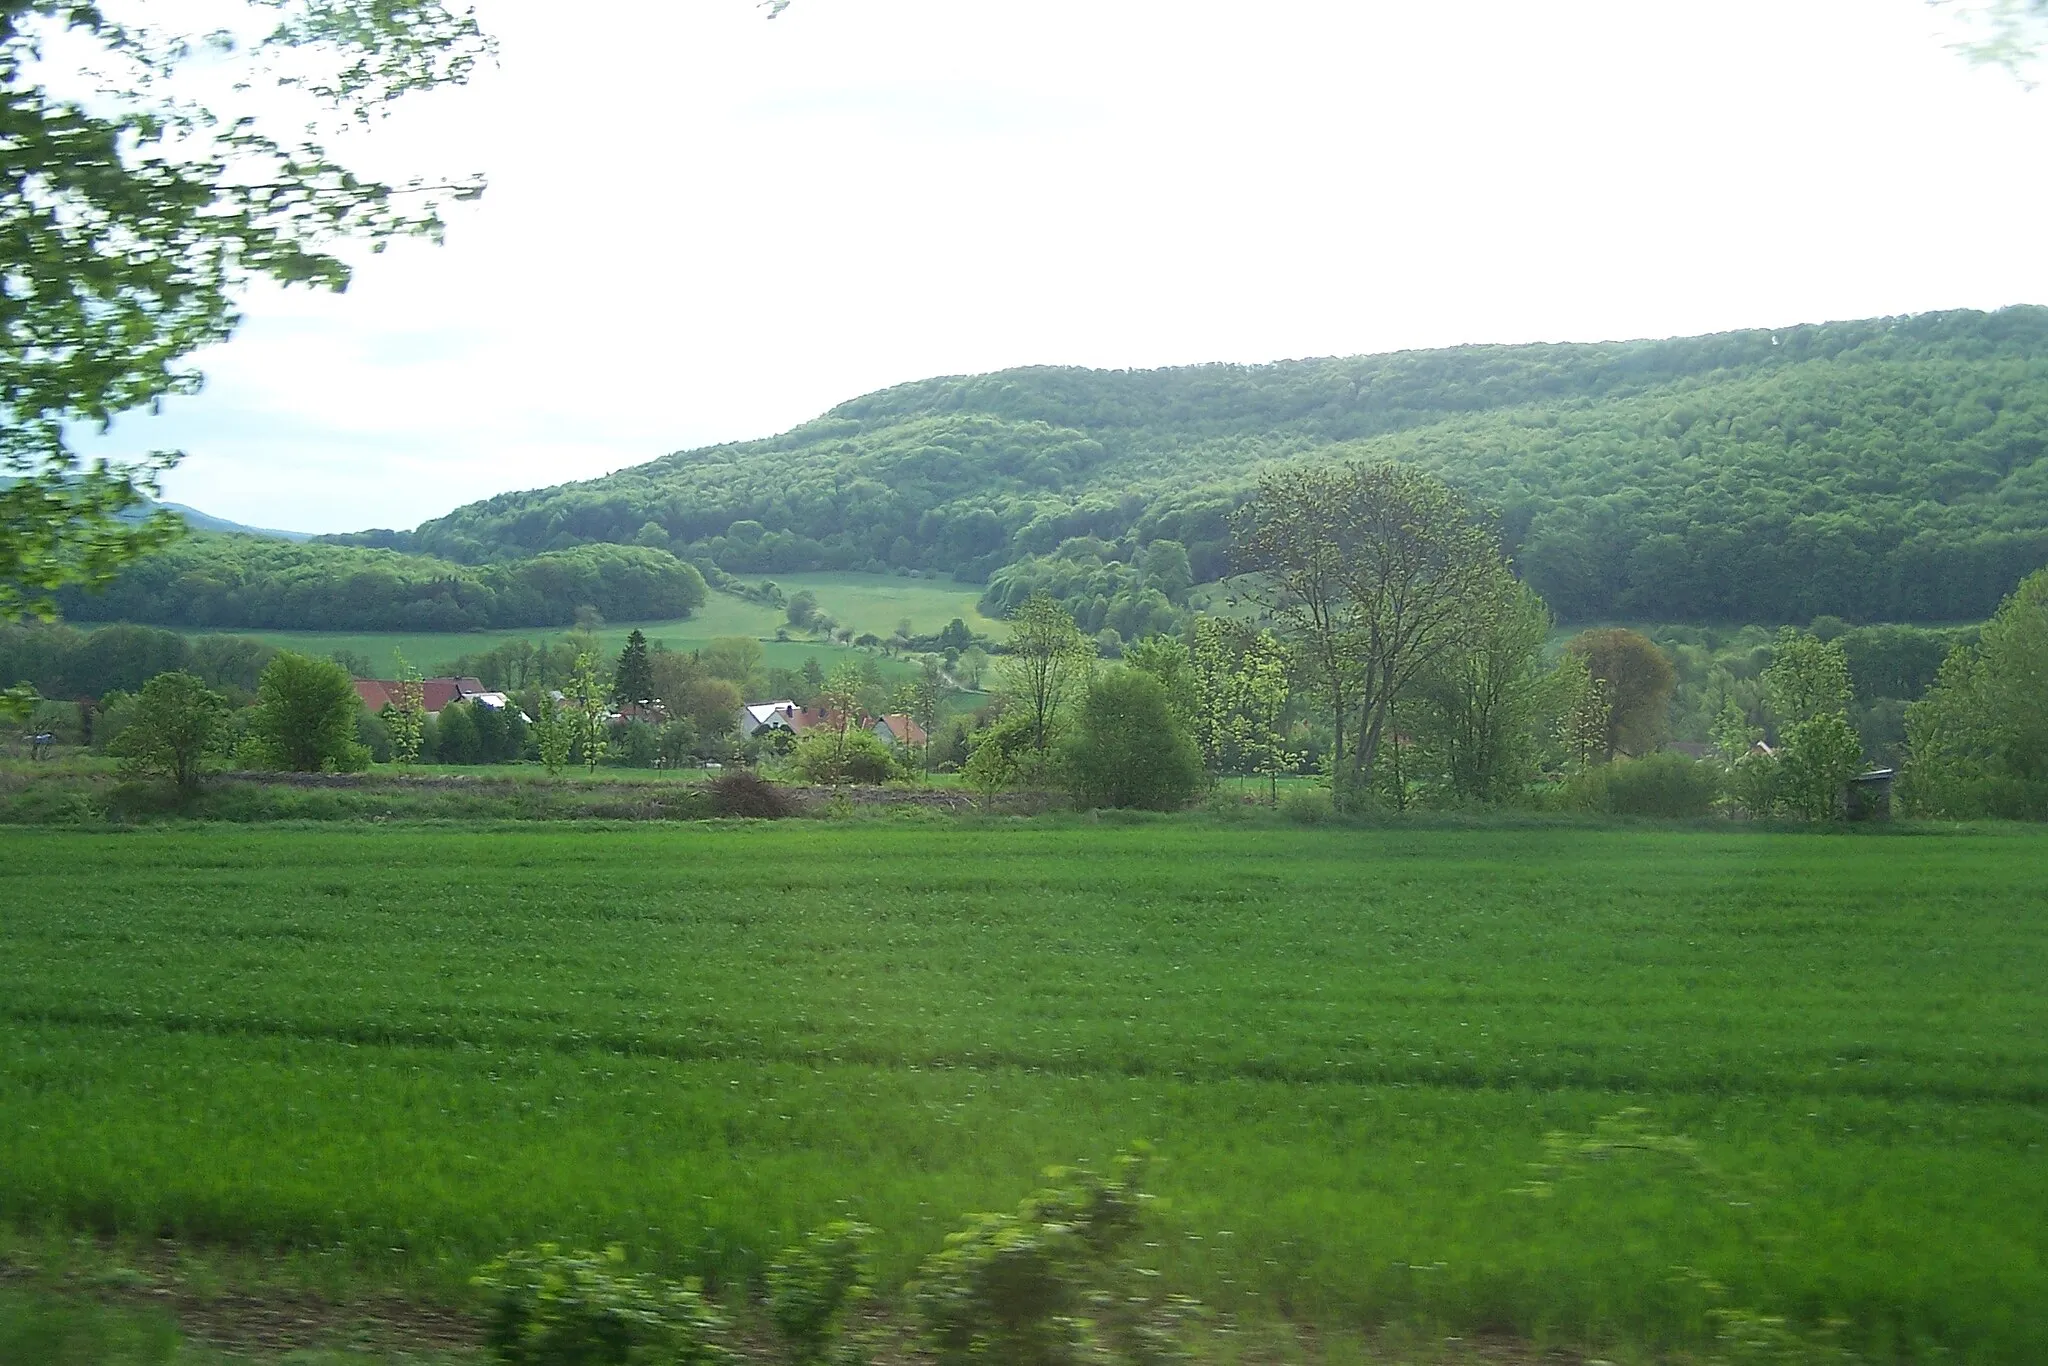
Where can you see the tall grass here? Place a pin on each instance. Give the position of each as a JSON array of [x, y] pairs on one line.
[[405, 1049]]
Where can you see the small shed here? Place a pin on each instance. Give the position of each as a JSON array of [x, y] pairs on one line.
[[1869, 796]]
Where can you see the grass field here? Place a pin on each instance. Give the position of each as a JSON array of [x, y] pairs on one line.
[[403, 1049], [863, 602]]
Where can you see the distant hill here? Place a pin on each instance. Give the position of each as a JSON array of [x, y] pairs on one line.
[[200, 521], [1887, 469]]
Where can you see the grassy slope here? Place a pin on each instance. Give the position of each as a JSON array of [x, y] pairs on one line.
[[863, 602], [413, 1047]]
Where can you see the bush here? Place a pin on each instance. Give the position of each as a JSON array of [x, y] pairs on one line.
[[1307, 808], [550, 1308], [814, 1287], [1051, 1285], [1128, 748], [857, 757], [741, 793], [1667, 784]]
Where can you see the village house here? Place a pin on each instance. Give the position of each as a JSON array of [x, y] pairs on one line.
[[893, 729], [435, 694]]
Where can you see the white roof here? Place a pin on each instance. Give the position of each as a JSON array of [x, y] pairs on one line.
[[768, 711]]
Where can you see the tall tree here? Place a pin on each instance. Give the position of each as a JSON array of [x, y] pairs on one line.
[[407, 718], [1638, 681], [633, 680], [1048, 663], [136, 217], [589, 716], [1292, 537], [1807, 677], [1375, 569], [1477, 707], [1978, 742]]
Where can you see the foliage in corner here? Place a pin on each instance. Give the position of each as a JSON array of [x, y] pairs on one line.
[[555, 1308]]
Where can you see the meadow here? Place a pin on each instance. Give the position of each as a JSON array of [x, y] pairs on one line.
[[399, 1050], [864, 603]]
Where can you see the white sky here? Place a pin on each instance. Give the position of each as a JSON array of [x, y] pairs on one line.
[[704, 225]]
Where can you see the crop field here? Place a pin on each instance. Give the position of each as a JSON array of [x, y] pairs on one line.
[[863, 602], [403, 1049]]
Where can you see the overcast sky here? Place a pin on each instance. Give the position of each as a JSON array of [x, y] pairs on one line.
[[704, 225]]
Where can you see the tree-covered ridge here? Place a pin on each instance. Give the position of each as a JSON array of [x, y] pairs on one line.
[[1884, 469], [252, 582]]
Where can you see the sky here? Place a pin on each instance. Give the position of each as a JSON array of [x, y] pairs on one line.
[[705, 225]]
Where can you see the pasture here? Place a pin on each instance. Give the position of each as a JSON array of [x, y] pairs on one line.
[[865, 603], [399, 1050]]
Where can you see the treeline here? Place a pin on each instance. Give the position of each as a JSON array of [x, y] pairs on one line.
[[66, 664], [1891, 469], [259, 584]]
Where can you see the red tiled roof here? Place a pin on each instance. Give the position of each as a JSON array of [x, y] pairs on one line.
[[435, 693], [906, 731]]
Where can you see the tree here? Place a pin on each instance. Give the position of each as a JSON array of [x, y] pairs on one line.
[[737, 658], [1477, 708], [1819, 757], [1638, 681], [136, 218], [1807, 677], [1375, 570], [972, 666], [1578, 702], [1127, 747], [924, 700], [408, 716], [633, 681], [1048, 662], [175, 726], [554, 733], [802, 612], [305, 718], [590, 719], [457, 739], [1977, 744]]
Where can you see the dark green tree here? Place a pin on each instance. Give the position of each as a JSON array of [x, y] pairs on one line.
[[633, 680], [1127, 747]]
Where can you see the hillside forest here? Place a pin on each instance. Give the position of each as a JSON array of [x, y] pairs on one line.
[[1891, 469]]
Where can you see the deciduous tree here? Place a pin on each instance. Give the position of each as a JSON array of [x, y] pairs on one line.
[[175, 728], [1047, 665], [1638, 680], [305, 718]]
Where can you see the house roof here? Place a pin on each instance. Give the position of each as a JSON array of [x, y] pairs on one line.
[[906, 731], [435, 693]]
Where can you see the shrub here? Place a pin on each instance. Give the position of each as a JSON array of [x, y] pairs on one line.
[[1665, 784], [1307, 808], [813, 1289], [1128, 748], [174, 729], [856, 757], [742, 793], [1050, 1285], [550, 1308]]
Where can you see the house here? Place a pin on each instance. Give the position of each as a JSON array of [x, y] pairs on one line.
[[786, 715], [772, 715], [435, 694], [898, 729]]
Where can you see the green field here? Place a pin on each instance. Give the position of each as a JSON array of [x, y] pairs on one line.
[[865, 603], [404, 1049]]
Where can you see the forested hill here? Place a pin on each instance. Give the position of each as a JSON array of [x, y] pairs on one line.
[[1894, 468]]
